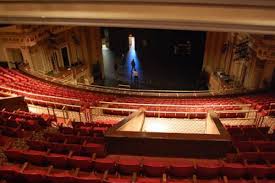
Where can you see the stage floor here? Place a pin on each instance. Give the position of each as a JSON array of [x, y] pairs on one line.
[[174, 125]]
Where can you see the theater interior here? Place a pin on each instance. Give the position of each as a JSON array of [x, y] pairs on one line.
[[137, 91]]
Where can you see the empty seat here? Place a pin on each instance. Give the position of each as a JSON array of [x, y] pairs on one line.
[[79, 161], [208, 169], [10, 172], [233, 170], [182, 169], [258, 170], [34, 174], [91, 148], [59, 176], [14, 154], [86, 177], [154, 168], [57, 160], [128, 165], [245, 146], [265, 146], [148, 180], [104, 164], [35, 157]]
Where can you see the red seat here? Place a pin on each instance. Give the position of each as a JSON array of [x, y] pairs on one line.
[[91, 148], [258, 170], [105, 164], [180, 180], [37, 145], [270, 156], [35, 174], [149, 180], [129, 166], [72, 147], [85, 177], [182, 169], [10, 172], [59, 176], [57, 160], [265, 146], [35, 157], [82, 162], [233, 170], [240, 181], [209, 181], [208, 169], [118, 180], [250, 156], [14, 154], [245, 146], [154, 168]]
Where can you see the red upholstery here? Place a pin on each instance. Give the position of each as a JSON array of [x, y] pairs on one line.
[[60, 176], [118, 180], [35, 157], [10, 172], [35, 174], [129, 166], [105, 164], [208, 169], [58, 160], [148, 180], [182, 169], [91, 148], [244, 146], [82, 162], [14, 154], [233, 170], [154, 168], [85, 177], [258, 170]]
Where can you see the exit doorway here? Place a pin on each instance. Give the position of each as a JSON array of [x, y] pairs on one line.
[[65, 57]]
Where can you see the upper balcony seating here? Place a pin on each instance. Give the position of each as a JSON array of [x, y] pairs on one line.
[[58, 159], [70, 155], [248, 132], [143, 170], [52, 95], [36, 89]]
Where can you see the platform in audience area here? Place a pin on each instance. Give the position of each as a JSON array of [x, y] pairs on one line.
[[138, 135], [174, 125]]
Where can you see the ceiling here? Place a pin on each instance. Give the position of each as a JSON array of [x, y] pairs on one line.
[[211, 15]]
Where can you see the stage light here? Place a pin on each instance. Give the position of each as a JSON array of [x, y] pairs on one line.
[[104, 47]]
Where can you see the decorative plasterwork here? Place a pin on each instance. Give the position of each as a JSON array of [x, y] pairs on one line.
[[32, 37]]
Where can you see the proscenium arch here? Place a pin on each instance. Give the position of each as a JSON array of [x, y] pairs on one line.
[[212, 15]]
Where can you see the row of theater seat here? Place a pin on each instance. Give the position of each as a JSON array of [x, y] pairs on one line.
[[255, 146], [248, 132], [15, 80], [177, 114], [43, 119], [179, 101], [177, 170]]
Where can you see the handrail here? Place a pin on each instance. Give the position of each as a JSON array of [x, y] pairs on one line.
[[149, 90], [49, 102], [235, 111], [40, 95], [180, 112], [177, 105], [140, 92]]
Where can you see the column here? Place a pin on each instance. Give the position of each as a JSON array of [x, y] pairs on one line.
[[27, 57]]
